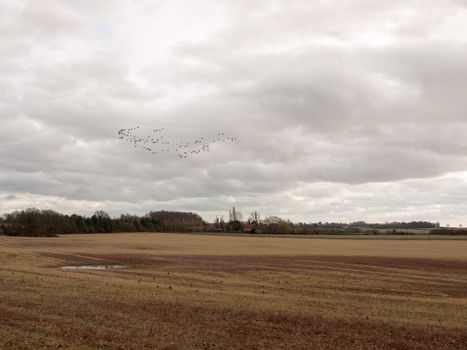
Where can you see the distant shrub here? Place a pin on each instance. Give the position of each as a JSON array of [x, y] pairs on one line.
[[449, 231]]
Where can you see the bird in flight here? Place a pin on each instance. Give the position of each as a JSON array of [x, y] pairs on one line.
[[159, 142]]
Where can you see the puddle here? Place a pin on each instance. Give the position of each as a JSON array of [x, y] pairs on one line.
[[93, 267]]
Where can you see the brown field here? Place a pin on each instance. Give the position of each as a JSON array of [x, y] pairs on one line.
[[232, 292]]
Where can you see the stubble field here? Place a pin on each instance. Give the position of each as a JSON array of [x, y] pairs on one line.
[[232, 292]]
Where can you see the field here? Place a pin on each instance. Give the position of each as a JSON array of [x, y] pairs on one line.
[[233, 292]]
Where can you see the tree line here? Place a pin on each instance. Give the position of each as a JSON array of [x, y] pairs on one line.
[[36, 222], [276, 225]]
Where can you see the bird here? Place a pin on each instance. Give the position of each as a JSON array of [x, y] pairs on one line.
[[182, 148]]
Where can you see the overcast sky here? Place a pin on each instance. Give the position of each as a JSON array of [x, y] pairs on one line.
[[344, 110]]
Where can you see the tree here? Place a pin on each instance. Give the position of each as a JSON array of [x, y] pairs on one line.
[[272, 220], [255, 217], [177, 221], [222, 223], [236, 225], [102, 221], [101, 214], [235, 215]]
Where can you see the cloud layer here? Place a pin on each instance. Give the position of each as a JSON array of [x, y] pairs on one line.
[[344, 110]]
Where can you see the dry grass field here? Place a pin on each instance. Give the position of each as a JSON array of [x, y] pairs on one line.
[[232, 292]]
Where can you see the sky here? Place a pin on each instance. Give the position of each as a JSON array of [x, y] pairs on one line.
[[344, 110]]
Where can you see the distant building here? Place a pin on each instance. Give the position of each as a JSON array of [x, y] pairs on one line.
[[248, 228]]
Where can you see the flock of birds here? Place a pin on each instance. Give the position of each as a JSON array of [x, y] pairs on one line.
[[158, 144]]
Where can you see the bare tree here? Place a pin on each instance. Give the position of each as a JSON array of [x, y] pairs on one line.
[[235, 215], [255, 217], [272, 220], [101, 214]]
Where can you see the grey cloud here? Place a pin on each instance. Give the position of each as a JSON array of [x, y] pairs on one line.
[[9, 197], [311, 100]]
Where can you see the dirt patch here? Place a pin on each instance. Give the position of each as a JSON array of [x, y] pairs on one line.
[[255, 262]]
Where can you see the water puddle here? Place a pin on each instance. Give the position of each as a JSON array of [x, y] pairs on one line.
[[93, 267]]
